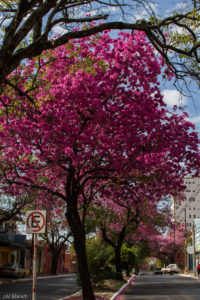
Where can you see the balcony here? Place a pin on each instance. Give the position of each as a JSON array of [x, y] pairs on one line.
[[12, 238]]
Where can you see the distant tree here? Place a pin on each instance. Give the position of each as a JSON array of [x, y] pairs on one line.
[[141, 251], [126, 218], [56, 235], [168, 247], [115, 228], [13, 205]]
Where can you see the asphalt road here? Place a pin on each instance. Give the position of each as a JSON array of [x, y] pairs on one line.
[[47, 288], [159, 287]]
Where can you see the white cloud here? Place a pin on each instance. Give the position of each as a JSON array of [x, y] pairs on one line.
[[173, 97], [113, 9], [145, 12], [57, 29], [180, 7], [178, 29], [195, 120], [105, 10]]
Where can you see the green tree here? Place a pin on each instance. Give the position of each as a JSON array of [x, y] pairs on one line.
[[100, 260], [128, 259], [141, 251]]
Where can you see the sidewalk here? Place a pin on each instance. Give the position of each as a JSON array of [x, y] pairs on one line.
[[4, 280]]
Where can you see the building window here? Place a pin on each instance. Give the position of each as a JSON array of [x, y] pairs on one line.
[[194, 216], [191, 199], [190, 216]]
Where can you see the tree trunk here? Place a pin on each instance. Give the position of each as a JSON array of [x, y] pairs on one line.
[[118, 264], [54, 261], [117, 249], [128, 270], [78, 232]]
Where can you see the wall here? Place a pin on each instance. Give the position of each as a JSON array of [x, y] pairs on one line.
[[5, 255]]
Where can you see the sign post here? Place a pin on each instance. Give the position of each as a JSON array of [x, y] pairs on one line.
[[34, 267], [35, 223]]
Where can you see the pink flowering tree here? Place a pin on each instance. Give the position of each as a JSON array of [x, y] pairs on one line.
[[96, 115], [131, 214], [169, 247]]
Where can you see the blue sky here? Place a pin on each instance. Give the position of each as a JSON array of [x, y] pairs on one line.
[[171, 95]]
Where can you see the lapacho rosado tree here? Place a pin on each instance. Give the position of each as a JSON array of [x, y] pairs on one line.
[[132, 212], [97, 115], [169, 248]]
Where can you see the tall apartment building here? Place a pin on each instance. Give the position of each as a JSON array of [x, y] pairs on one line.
[[189, 209]]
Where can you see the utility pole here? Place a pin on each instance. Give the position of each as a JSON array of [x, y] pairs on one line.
[[185, 241], [194, 254]]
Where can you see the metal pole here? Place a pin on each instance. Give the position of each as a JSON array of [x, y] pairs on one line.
[[194, 254], [34, 266], [185, 242]]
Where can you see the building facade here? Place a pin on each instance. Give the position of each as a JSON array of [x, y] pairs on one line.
[[185, 211], [12, 243], [16, 248]]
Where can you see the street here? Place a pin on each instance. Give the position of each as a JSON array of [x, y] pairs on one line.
[[47, 288], [159, 287]]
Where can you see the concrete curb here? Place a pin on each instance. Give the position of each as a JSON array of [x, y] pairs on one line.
[[70, 296], [118, 293], [191, 276]]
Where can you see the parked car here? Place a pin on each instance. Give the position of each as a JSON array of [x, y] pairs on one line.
[[171, 269], [12, 270], [141, 273], [157, 271]]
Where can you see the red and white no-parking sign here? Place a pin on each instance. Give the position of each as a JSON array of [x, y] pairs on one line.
[[36, 221]]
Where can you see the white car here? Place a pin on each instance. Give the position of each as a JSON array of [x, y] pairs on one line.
[[141, 273], [171, 269]]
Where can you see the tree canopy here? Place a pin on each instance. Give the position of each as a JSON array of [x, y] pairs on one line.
[[97, 117], [29, 27]]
